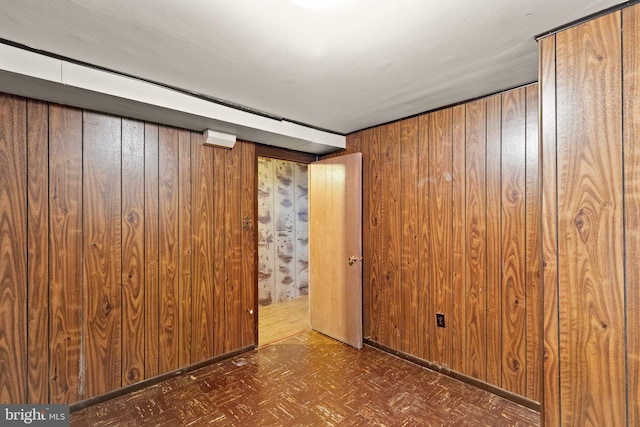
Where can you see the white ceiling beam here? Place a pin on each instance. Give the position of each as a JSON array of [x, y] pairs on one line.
[[33, 75]]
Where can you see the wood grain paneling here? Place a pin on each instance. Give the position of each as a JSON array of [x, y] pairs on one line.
[[353, 143], [478, 234], [372, 281], [249, 277], [533, 284], [551, 394], [391, 233], [631, 131], [13, 256], [102, 222], [107, 234], [590, 223], [203, 228], [475, 300], [133, 337], [440, 225], [425, 315], [219, 247], [184, 247], [38, 251], [233, 247], [513, 242], [151, 251], [168, 158], [65, 253], [494, 239], [458, 235], [409, 238]]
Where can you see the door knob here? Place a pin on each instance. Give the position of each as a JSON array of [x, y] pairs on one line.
[[352, 260]]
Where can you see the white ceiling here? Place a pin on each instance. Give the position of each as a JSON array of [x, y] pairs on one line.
[[343, 66]]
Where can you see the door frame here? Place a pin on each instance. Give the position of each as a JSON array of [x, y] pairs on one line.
[[279, 154]]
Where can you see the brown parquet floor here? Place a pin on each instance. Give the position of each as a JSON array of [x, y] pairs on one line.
[[309, 380]]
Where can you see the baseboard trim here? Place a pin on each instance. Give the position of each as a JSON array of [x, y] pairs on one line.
[[516, 398], [155, 380]]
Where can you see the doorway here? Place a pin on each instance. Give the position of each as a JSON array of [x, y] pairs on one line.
[[283, 252]]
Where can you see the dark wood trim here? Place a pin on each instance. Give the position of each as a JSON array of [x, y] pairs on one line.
[[284, 154], [155, 380], [516, 398], [595, 15]]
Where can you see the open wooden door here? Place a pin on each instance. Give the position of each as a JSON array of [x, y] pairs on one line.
[[335, 248]]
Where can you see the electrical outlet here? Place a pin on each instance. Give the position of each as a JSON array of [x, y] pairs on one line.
[[440, 320]]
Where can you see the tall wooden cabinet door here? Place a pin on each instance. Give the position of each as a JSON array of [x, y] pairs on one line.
[[335, 248]]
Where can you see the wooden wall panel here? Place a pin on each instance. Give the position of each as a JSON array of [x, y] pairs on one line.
[[203, 228], [38, 252], [233, 235], [494, 239], [590, 223], [151, 250], [109, 230], [390, 152], [440, 225], [219, 267], [353, 143], [65, 253], [409, 237], [425, 315], [133, 337], [631, 131], [102, 222], [474, 302], [533, 284], [458, 235], [372, 280], [13, 256], [513, 242], [184, 247], [551, 391], [168, 158], [476, 196], [249, 276]]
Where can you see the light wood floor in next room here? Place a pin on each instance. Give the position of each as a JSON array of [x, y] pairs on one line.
[[309, 380], [282, 320]]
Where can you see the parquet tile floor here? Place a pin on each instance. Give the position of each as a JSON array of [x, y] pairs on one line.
[[309, 380]]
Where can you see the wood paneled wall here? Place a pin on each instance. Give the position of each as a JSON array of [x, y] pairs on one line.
[[122, 253], [590, 80], [452, 226]]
